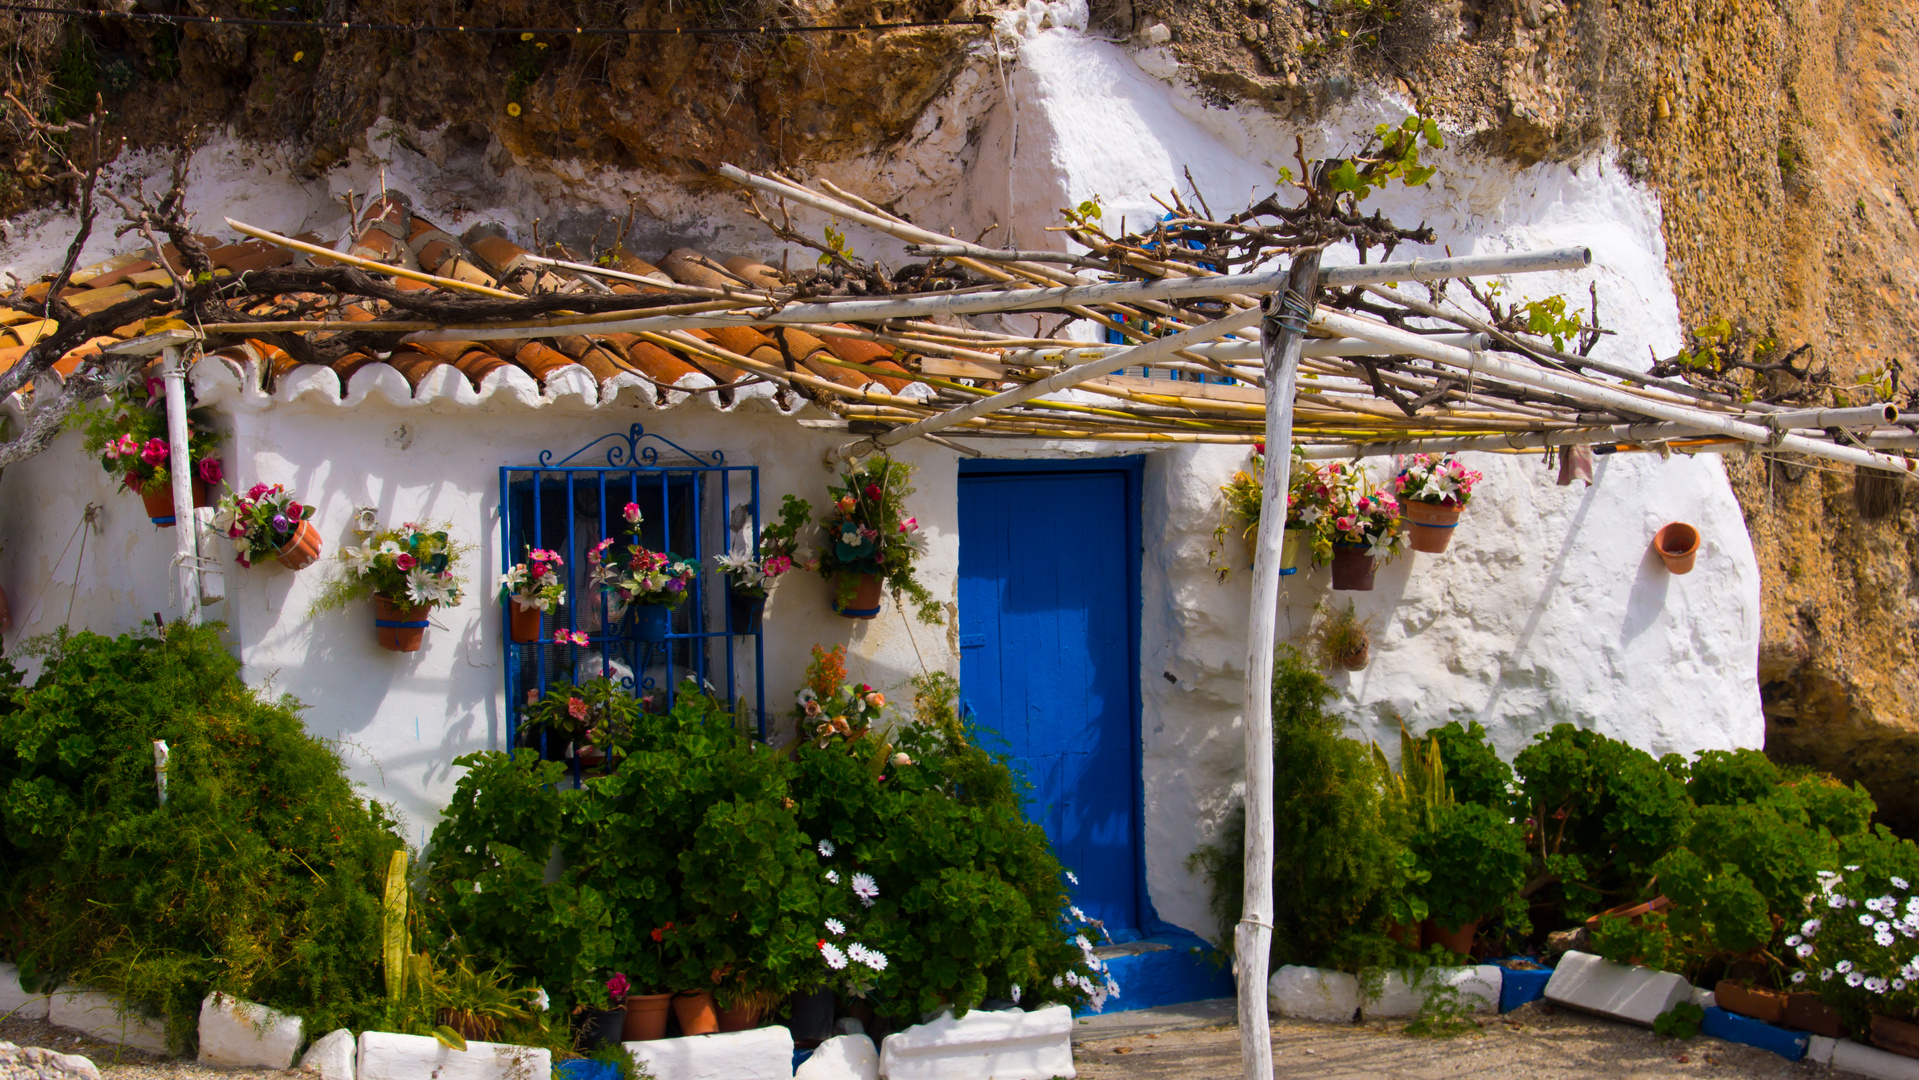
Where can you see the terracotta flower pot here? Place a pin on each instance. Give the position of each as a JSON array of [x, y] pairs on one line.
[[1357, 657], [523, 623], [646, 1017], [399, 627], [158, 499], [739, 1017], [1433, 524], [1353, 569], [1805, 1012], [301, 548], [1767, 1005], [1897, 1036], [1677, 544], [1406, 934], [1637, 912], [866, 597], [695, 1012], [1459, 939]]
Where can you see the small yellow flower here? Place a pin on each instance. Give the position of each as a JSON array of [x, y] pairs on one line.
[[513, 108], [528, 36], [539, 44], [299, 56]]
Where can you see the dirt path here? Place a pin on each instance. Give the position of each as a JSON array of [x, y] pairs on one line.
[[1528, 1043]]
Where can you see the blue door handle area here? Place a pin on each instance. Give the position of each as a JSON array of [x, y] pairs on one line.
[[972, 641]]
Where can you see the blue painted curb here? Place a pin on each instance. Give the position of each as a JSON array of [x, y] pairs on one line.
[[1186, 970], [1516, 988], [585, 1069], [1746, 1031]]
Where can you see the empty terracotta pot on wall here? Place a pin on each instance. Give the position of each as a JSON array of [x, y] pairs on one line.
[[1677, 544]]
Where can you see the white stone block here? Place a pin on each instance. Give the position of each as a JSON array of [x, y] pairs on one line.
[[1872, 1061], [106, 1018], [386, 1056], [1033, 1045], [1634, 994], [1307, 993], [242, 1033], [1705, 999], [844, 1057], [760, 1054], [330, 1056], [1477, 988], [17, 1003]]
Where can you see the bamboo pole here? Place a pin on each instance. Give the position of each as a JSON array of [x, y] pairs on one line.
[[1607, 396], [1283, 331]]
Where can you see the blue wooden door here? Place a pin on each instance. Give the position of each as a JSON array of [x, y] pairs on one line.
[[1048, 607]]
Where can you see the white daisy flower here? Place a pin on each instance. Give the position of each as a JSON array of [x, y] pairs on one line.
[[826, 849], [1798, 976], [875, 959], [1876, 985], [1793, 939], [1912, 904], [1071, 877], [1883, 939], [1058, 982], [1881, 927], [832, 877], [1827, 874], [540, 1000], [1811, 927], [1843, 966], [1825, 975], [835, 959], [865, 888], [1804, 950], [1887, 904], [1078, 914], [1867, 919], [1853, 978], [836, 926], [1852, 867], [856, 953], [1899, 883], [1085, 946], [1016, 993], [1835, 900]]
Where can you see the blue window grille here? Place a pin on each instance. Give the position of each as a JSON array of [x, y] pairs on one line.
[[691, 505], [1114, 337]]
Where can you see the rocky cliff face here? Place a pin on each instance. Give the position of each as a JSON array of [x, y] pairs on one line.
[[1776, 134]]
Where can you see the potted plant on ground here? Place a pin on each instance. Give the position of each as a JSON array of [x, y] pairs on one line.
[[648, 583], [604, 1026], [1308, 497], [750, 573], [1476, 858], [129, 436], [529, 590], [871, 543], [407, 570], [646, 1011], [1433, 489], [596, 718], [267, 522], [1364, 529]]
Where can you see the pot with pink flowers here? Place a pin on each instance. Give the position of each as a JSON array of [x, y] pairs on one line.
[[751, 573], [269, 523], [647, 584], [128, 435], [530, 590], [1365, 529], [1433, 489]]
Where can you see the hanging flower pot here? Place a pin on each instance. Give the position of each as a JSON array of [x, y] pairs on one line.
[[865, 603], [1432, 524], [399, 627], [523, 621], [1290, 545], [1677, 544], [158, 497], [301, 548], [1353, 569], [745, 614], [695, 1012], [646, 1017], [652, 622]]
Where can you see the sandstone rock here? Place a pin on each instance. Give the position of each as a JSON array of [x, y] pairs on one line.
[[844, 1057], [38, 1063], [330, 1056], [1004, 1046], [242, 1033]]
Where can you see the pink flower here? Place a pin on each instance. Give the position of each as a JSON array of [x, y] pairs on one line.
[[872, 491], [909, 524], [1346, 524], [632, 513], [777, 565], [210, 470], [257, 490], [594, 553], [128, 446], [577, 637], [404, 562], [111, 450], [155, 451], [575, 707], [295, 511]]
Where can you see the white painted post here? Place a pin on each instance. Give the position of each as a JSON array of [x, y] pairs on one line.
[[180, 465], [1283, 333]]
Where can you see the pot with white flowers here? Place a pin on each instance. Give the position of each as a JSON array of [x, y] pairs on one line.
[[1433, 490], [751, 573], [648, 584], [530, 590], [269, 523], [1859, 948], [406, 570]]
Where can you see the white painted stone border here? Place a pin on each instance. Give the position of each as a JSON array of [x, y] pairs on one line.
[[1596, 985], [757, 1054], [106, 1018], [387, 1056], [1310, 993], [242, 1033], [1035, 1045], [1404, 993], [1871, 1061], [16, 1002]]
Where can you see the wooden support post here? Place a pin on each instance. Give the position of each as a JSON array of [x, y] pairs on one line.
[[1283, 338], [186, 526]]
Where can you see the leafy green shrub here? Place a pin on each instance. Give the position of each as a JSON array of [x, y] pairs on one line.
[[1857, 937], [1475, 858], [261, 876], [1474, 769], [1341, 867]]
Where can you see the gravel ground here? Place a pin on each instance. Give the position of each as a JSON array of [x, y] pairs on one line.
[[123, 1062], [1530, 1042]]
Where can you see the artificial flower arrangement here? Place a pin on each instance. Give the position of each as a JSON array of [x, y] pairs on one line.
[[268, 522], [830, 706], [1363, 528], [129, 436], [752, 573], [531, 589], [406, 570], [1433, 489], [1308, 500], [641, 577], [871, 543]]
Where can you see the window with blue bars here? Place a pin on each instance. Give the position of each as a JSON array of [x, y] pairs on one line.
[[1153, 329], [691, 505]]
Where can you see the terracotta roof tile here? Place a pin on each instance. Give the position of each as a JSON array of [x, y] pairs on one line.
[[381, 246], [24, 334], [11, 354], [249, 256], [346, 365], [720, 372], [689, 267], [755, 272], [413, 363], [67, 363], [91, 275], [870, 353], [657, 364], [803, 348], [538, 360], [391, 212], [476, 364]]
